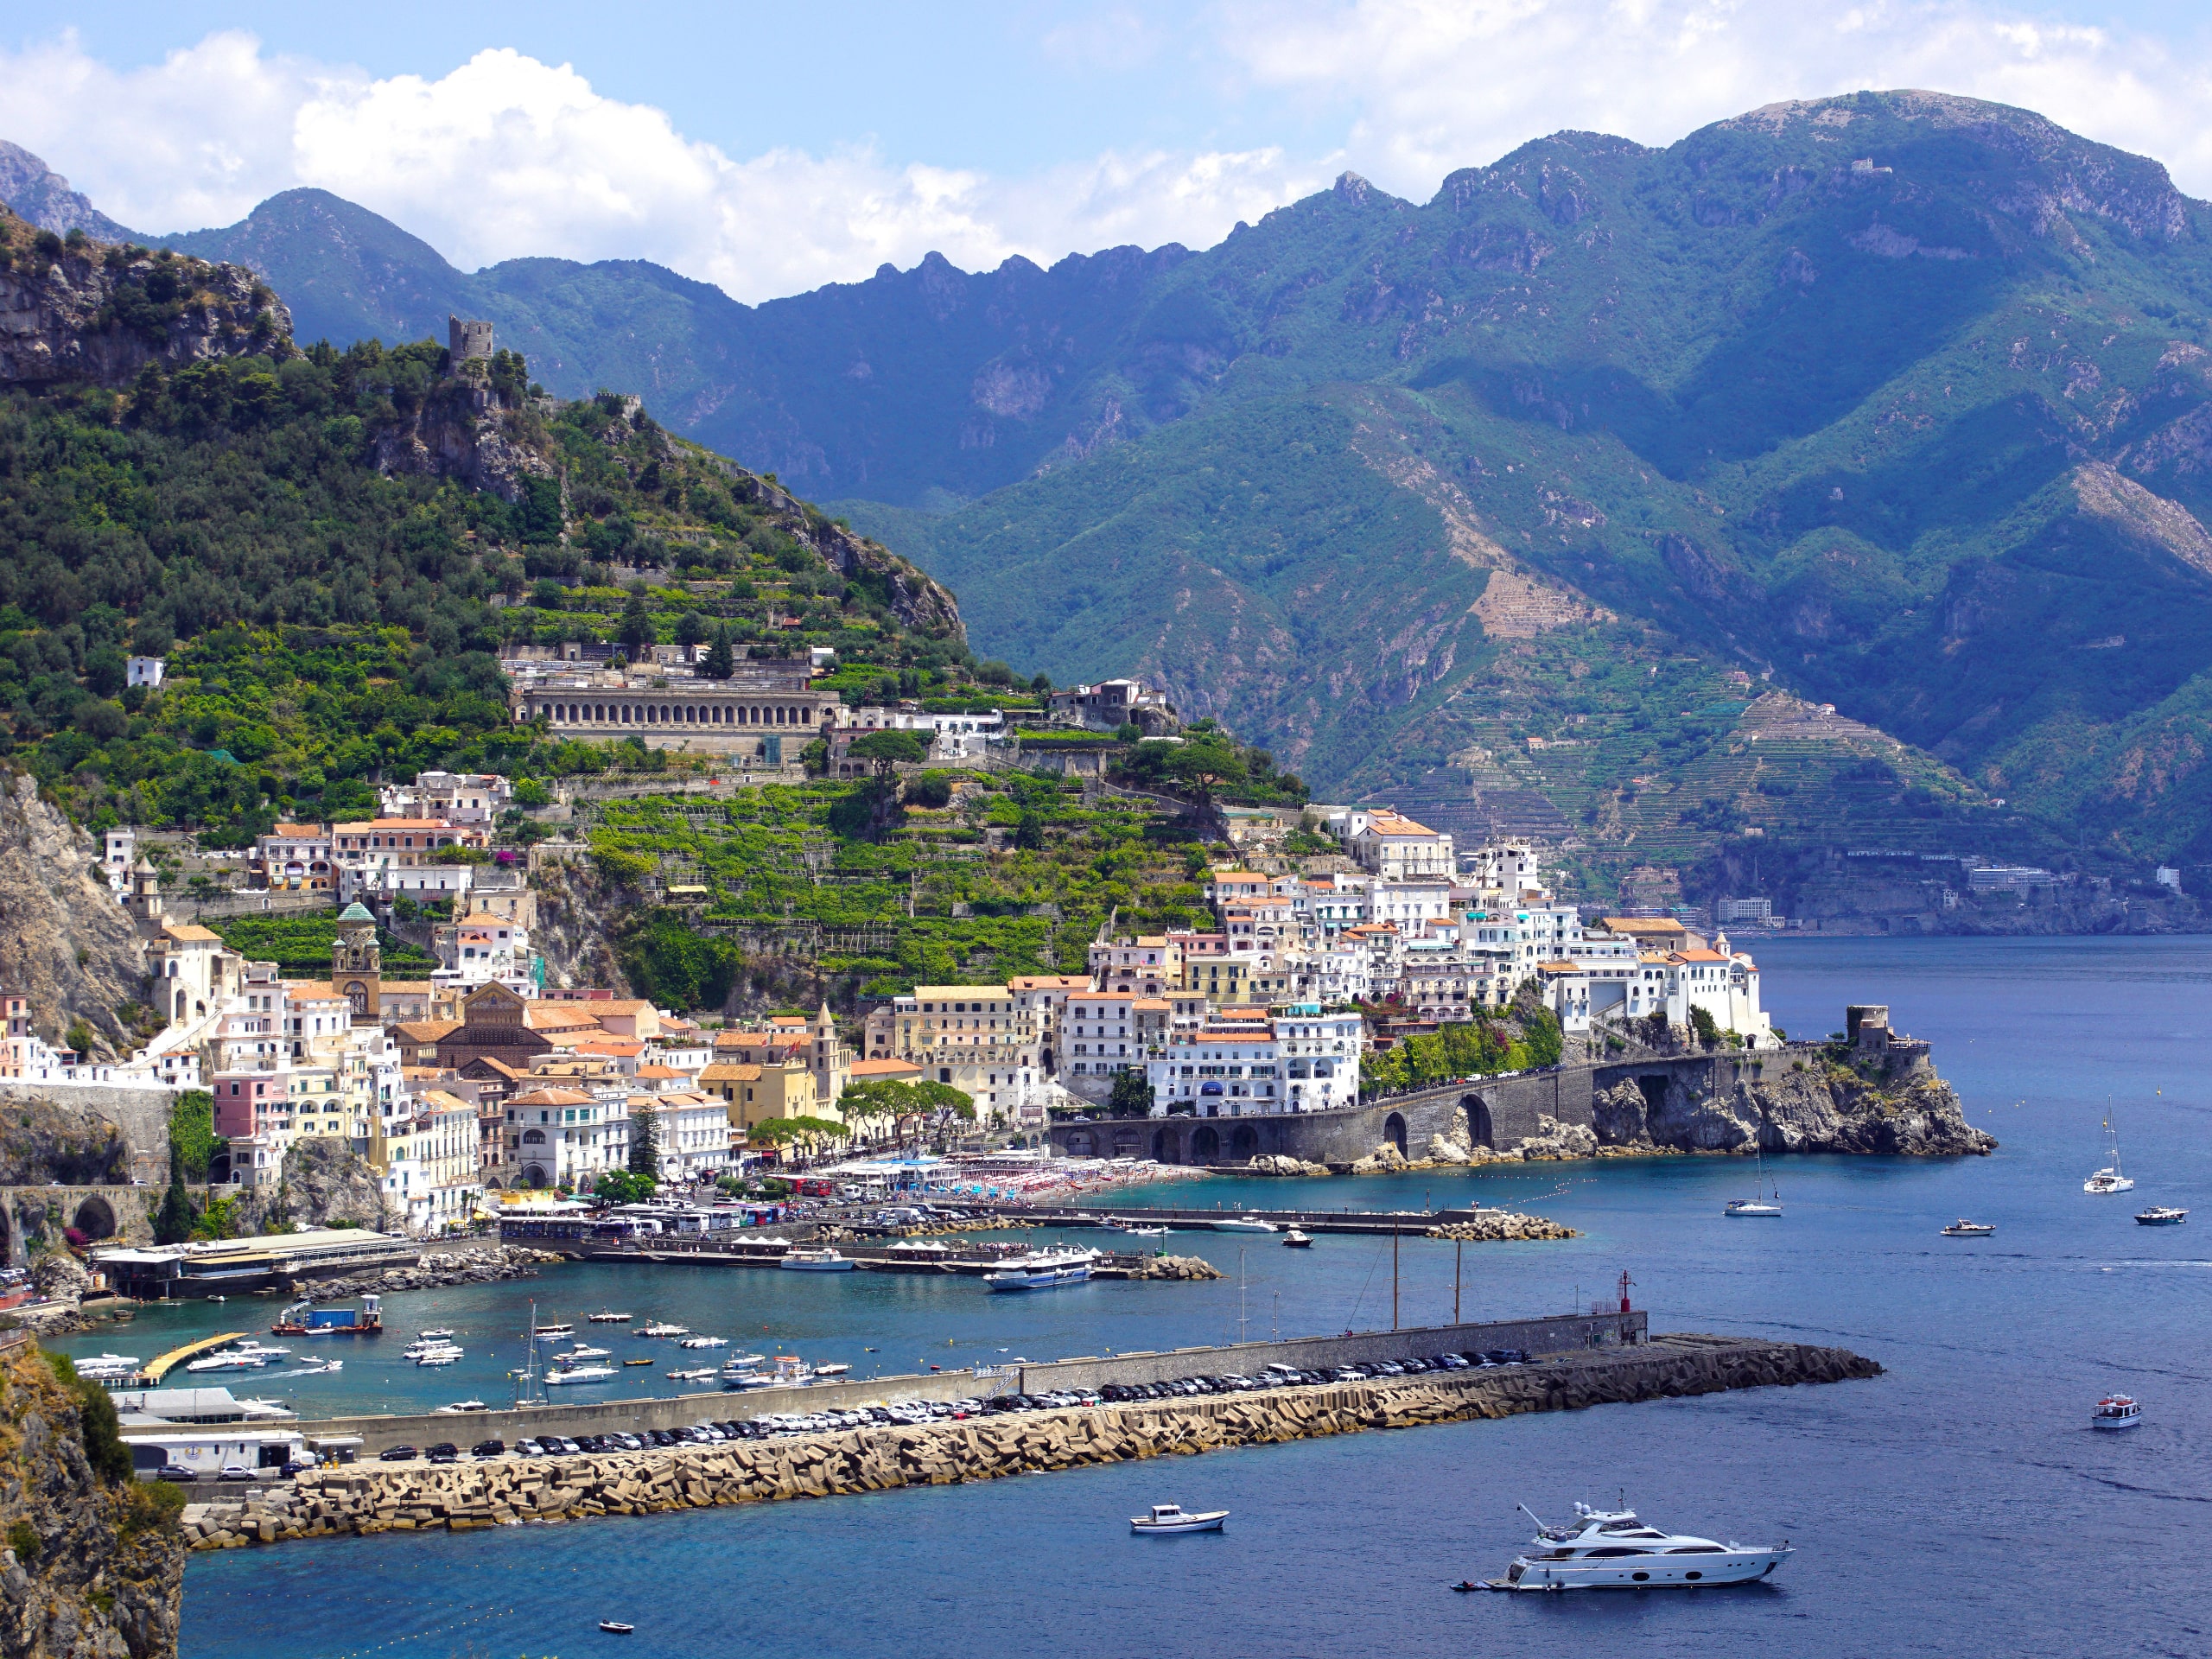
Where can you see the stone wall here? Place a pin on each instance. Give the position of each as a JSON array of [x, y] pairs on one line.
[[385, 1497], [116, 1214], [140, 1116]]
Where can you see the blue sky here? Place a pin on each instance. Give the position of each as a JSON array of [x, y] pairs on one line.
[[770, 148]]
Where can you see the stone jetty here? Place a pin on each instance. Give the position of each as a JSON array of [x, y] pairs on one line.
[[433, 1270], [363, 1498], [1493, 1226]]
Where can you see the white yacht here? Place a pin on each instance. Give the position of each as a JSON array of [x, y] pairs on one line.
[[816, 1261], [606, 1318], [1170, 1518], [1244, 1224], [1750, 1207], [561, 1375], [1043, 1270], [661, 1328], [704, 1342], [2116, 1411], [553, 1332], [1611, 1550], [582, 1351], [1964, 1229], [2109, 1179]]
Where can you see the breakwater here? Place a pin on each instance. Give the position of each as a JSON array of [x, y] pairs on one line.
[[359, 1498]]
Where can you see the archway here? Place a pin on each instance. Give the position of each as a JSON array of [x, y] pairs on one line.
[[1244, 1143], [1206, 1145], [532, 1175], [1080, 1145], [1393, 1131], [1481, 1130], [95, 1219], [1161, 1151]]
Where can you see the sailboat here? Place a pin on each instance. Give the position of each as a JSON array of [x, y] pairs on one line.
[[2109, 1179], [1757, 1207]]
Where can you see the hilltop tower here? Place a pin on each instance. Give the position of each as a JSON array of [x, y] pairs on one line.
[[465, 340], [357, 961]]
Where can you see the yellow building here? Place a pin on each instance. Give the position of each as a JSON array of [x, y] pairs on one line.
[[751, 1094]]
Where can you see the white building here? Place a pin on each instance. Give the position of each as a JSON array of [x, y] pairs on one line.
[[1388, 844], [690, 1133], [1228, 1068], [143, 671], [471, 797]]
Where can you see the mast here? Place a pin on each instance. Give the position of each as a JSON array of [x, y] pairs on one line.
[[1458, 1254], [1394, 1275]]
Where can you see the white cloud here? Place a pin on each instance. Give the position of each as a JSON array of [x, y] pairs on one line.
[[506, 155], [1436, 85]]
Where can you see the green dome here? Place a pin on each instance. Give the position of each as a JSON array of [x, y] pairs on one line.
[[355, 912]]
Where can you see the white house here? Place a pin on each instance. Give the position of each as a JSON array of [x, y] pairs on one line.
[[143, 671]]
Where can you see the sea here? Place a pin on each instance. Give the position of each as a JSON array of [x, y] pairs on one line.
[[1959, 1505]]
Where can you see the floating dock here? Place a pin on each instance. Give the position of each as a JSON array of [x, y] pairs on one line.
[[155, 1370]]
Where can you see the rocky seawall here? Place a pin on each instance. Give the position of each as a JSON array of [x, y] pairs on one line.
[[507, 1491], [93, 1568], [485, 1266]]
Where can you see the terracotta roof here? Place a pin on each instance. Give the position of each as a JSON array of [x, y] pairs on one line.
[[891, 1071], [1396, 824], [192, 933], [311, 990], [513, 1074], [1634, 924], [406, 987], [552, 1097], [1150, 1002], [618, 1047], [730, 1072], [426, 1031], [660, 1071], [540, 1015]]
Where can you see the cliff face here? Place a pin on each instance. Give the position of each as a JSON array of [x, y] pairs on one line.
[[64, 941], [100, 313], [916, 600], [466, 433], [45, 1143], [1814, 1105], [92, 1570], [324, 1180]]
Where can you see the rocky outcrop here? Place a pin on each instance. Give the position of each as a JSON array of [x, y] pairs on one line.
[[44, 1142], [1501, 1226], [463, 431], [99, 313], [323, 1181], [1815, 1104], [94, 1567], [486, 1265], [916, 600], [1284, 1165], [65, 943], [408, 1498]]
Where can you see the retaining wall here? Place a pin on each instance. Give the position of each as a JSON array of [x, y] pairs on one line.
[[142, 1115]]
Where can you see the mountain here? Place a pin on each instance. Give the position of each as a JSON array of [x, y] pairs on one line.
[[41, 197], [1564, 500]]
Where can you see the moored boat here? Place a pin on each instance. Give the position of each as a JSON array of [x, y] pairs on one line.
[[661, 1328], [605, 1317], [1295, 1240], [578, 1374], [1245, 1223], [2110, 1178], [1170, 1518], [1612, 1549], [2161, 1215], [816, 1261], [1964, 1229], [1755, 1208], [1043, 1270]]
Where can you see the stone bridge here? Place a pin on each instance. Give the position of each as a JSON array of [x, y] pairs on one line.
[[1497, 1112], [116, 1214]]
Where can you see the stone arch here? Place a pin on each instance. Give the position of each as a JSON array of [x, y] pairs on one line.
[[533, 1137], [1161, 1151], [1206, 1145], [1482, 1128], [1080, 1144], [1393, 1131], [1244, 1143], [94, 1218], [533, 1175]]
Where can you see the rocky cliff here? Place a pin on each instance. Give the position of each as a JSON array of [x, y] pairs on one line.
[[100, 312], [94, 1567], [323, 1181], [45, 1143], [65, 943], [1815, 1104]]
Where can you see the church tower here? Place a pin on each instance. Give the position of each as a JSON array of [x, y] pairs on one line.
[[357, 961]]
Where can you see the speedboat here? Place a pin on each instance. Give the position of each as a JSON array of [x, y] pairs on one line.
[[1146, 1232], [1750, 1207], [442, 1355], [704, 1342], [2116, 1411], [816, 1261], [317, 1370], [580, 1374], [837, 1369], [461, 1406], [1043, 1270], [428, 1336], [1295, 1240], [2159, 1215], [616, 1627], [583, 1352], [1611, 1550], [697, 1373], [554, 1332], [605, 1317], [1245, 1225], [662, 1329], [1964, 1229], [1170, 1518]]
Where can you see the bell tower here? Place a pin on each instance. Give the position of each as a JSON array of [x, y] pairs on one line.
[[357, 961]]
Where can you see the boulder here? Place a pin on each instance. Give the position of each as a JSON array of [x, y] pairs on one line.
[[1283, 1163], [1444, 1151], [1385, 1159]]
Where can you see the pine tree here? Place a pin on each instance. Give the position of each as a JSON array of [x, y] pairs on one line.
[[644, 1146], [173, 1221], [720, 663]]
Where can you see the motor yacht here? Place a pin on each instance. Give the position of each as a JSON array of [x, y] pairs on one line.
[[582, 1351], [1170, 1518], [434, 1335], [1043, 1270], [445, 1356], [2159, 1215], [2116, 1411], [554, 1332], [459, 1407], [1964, 1229], [1612, 1549], [1245, 1225], [1295, 1240], [745, 1362], [695, 1374], [605, 1317], [704, 1342], [659, 1328], [578, 1374], [816, 1261]]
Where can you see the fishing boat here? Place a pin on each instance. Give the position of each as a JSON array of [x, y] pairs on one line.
[[605, 1317], [1964, 1229], [1295, 1240], [1246, 1224], [2159, 1215], [815, 1261], [560, 1376], [1043, 1270], [1167, 1518], [2116, 1411], [2110, 1178], [1611, 1550]]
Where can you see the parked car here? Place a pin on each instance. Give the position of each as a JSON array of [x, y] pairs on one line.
[[529, 1448], [399, 1454], [443, 1451], [178, 1472], [235, 1472], [489, 1449]]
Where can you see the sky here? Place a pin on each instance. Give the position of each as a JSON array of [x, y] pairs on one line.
[[769, 149]]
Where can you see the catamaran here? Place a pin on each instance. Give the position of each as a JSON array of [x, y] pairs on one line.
[[2109, 1179]]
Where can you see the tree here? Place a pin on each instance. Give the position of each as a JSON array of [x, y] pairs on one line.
[[1131, 1096], [174, 1220], [624, 1187], [636, 630], [885, 749], [644, 1145], [906, 1103], [192, 1132], [1205, 763], [720, 663], [690, 629]]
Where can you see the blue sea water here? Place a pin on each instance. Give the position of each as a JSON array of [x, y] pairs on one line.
[[1958, 1505]]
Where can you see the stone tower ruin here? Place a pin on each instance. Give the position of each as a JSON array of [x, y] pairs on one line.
[[465, 340]]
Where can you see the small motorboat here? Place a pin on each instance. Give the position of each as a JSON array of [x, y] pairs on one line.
[[816, 1261], [554, 1332], [461, 1406], [1245, 1223], [433, 1335], [1964, 1229], [578, 1374], [615, 1627], [1295, 1240], [318, 1369], [662, 1329], [698, 1374], [1170, 1518], [605, 1317], [2160, 1215], [831, 1370], [2116, 1411], [637, 1362], [1146, 1232], [704, 1342]]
